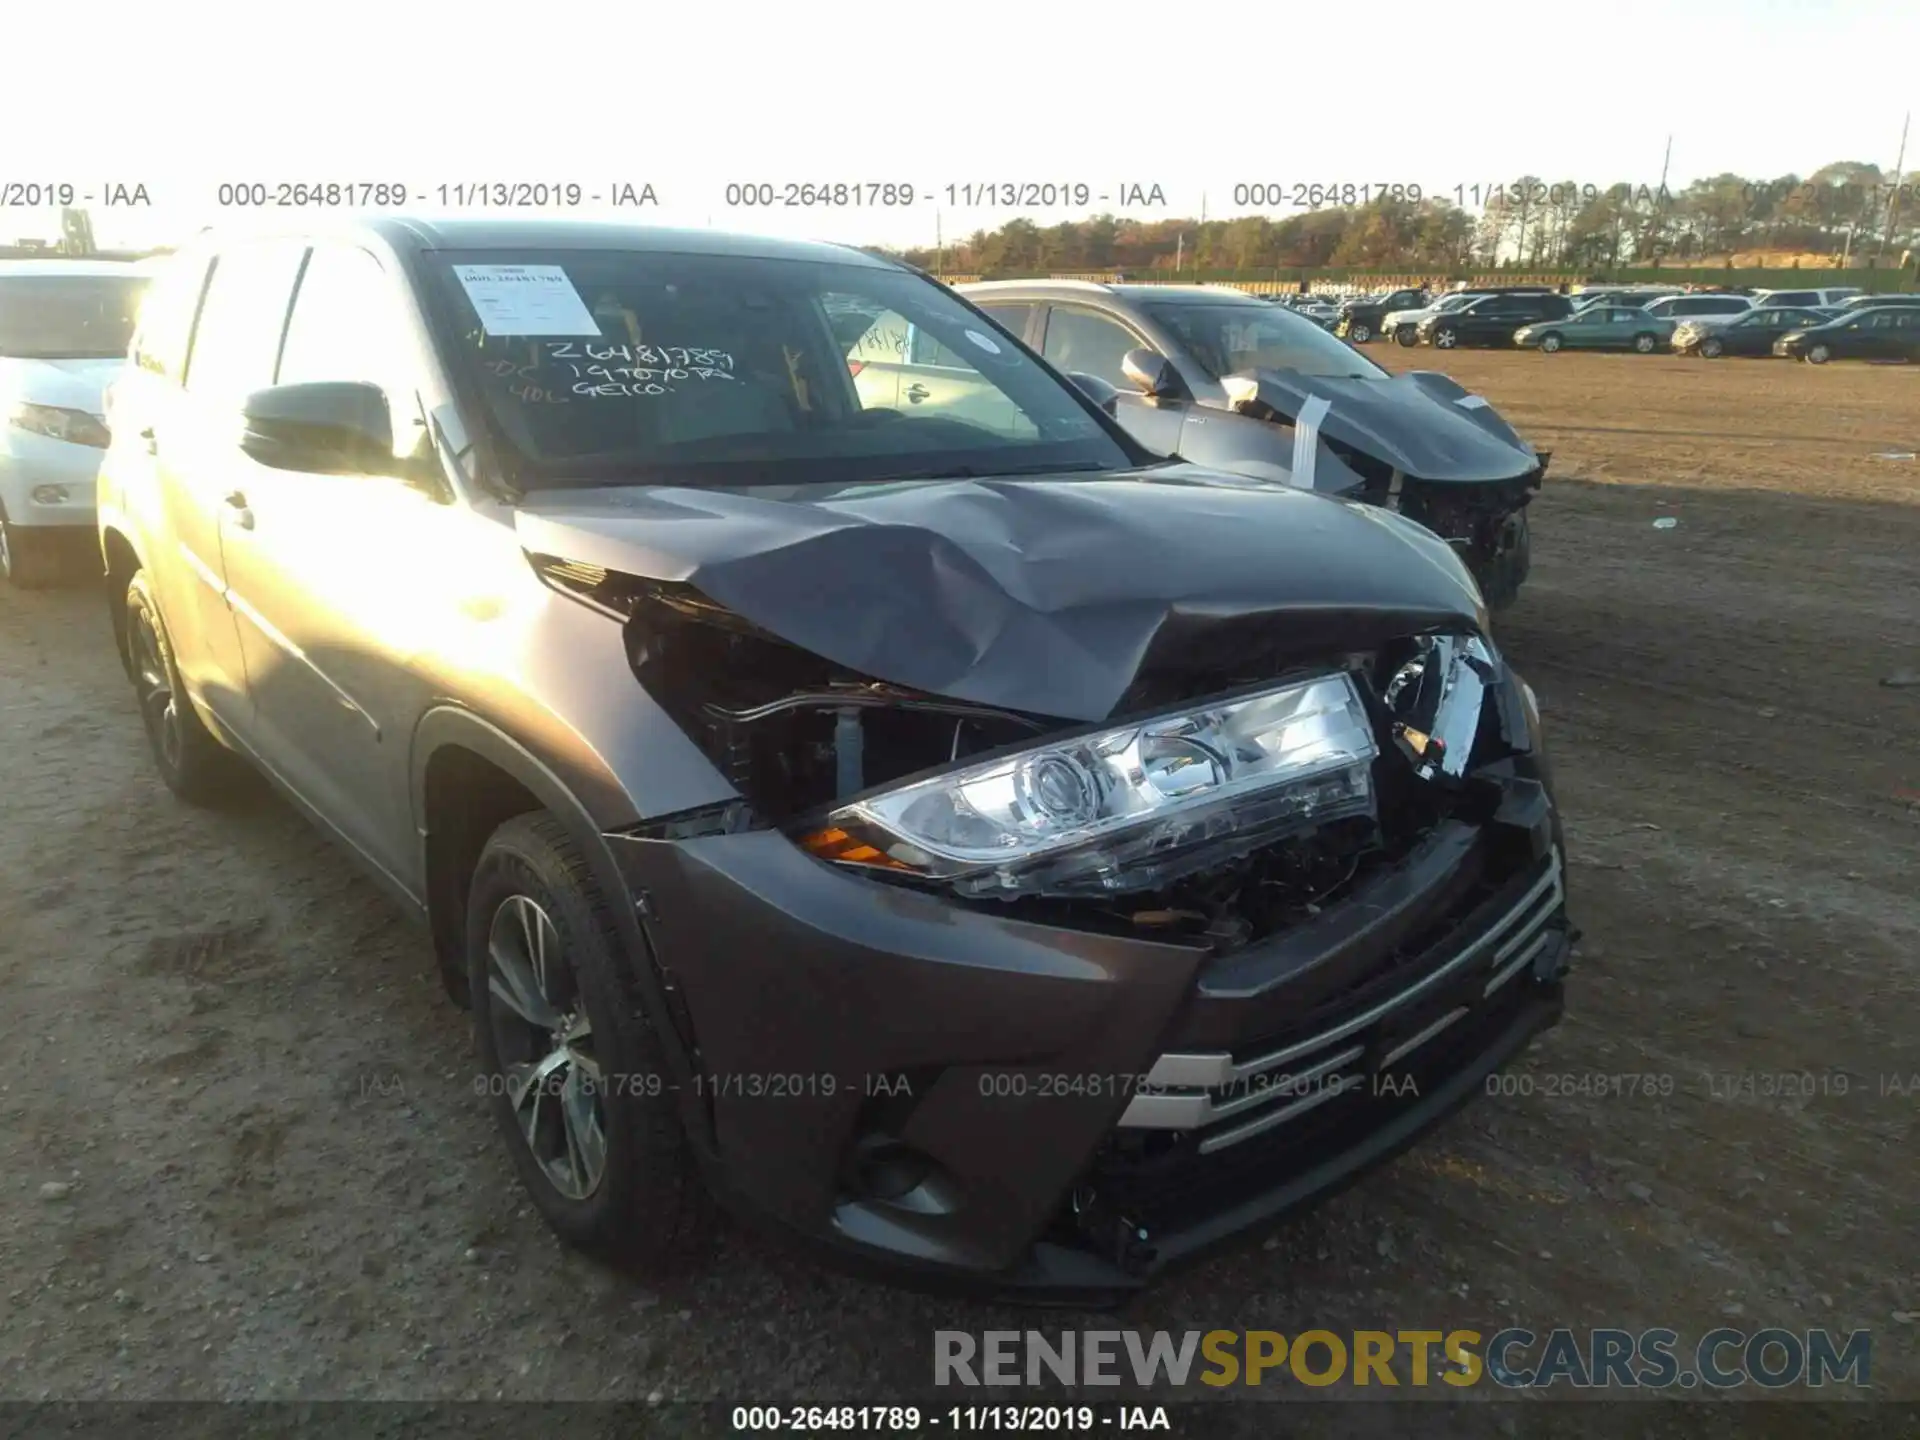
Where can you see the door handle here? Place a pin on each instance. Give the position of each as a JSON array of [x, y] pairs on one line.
[[917, 393], [153, 447], [242, 516]]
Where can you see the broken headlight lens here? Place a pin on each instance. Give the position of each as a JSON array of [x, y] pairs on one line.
[[1436, 698], [1129, 808]]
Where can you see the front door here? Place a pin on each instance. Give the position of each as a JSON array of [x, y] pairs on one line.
[[339, 582]]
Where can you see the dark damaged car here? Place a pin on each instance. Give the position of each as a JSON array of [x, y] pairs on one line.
[[1221, 379], [953, 837]]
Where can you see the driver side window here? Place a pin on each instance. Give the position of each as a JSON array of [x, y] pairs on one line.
[[1080, 341], [344, 327]]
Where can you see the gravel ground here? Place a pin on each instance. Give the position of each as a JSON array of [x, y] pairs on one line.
[[241, 1156]]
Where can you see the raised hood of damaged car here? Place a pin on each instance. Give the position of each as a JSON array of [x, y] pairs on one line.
[[1043, 595], [1423, 424]]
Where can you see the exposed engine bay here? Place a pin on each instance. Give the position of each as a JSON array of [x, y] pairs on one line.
[[796, 734]]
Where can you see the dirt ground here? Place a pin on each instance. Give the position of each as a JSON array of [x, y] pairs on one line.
[[241, 1156]]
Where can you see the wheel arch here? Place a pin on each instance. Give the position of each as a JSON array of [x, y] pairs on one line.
[[468, 777], [121, 561]]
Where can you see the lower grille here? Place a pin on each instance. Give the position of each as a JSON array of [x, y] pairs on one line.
[[1221, 1099]]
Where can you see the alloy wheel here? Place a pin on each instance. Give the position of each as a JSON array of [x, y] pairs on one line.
[[1444, 340], [545, 1045], [153, 684], [1819, 354], [1550, 344], [1643, 343], [1361, 334]]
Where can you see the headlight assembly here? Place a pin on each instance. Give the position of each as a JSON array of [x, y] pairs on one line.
[[1132, 807], [76, 427]]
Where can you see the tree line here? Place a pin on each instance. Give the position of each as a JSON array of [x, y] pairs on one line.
[[1840, 209]]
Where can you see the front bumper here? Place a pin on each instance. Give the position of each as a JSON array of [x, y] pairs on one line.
[[964, 1100], [32, 463]]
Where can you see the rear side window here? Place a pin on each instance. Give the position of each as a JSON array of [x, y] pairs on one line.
[[166, 317], [237, 342], [1795, 297]]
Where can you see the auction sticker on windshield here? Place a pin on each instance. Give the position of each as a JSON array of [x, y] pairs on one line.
[[526, 300]]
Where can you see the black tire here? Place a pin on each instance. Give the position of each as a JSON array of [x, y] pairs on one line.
[[1712, 348], [195, 766], [1360, 334], [1644, 342], [1406, 335], [646, 1209], [1818, 355], [29, 558], [1551, 342]]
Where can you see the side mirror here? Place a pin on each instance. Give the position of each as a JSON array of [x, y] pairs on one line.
[[1151, 373], [1096, 389], [329, 428]]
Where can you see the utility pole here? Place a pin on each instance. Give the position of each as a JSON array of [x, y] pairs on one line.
[[1893, 192], [1660, 206]]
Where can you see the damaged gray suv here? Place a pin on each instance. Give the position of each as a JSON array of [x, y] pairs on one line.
[[913, 815]]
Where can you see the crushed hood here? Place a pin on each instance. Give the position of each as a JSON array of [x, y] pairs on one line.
[[1043, 595], [1422, 423]]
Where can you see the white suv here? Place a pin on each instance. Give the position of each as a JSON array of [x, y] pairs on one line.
[[1805, 299]]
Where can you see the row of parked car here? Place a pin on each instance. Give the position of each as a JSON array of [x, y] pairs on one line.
[[1817, 325]]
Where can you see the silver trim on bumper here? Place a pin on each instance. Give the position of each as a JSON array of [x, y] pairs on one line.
[[1509, 946]]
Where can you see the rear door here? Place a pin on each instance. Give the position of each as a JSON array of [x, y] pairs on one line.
[[940, 382], [236, 342], [1907, 331]]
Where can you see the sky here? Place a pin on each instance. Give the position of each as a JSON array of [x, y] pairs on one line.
[[1198, 100]]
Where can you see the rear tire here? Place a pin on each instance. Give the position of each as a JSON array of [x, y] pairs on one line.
[[1643, 344], [195, 766], [577, 1077]]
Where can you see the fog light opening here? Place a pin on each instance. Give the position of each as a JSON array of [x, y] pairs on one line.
[[889, 1172], [50, 495]]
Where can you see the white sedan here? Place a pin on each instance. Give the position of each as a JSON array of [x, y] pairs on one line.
[[64, 331]]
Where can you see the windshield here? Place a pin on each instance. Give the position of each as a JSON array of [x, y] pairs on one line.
[[67, 317], [1228, 338], [727, 369]]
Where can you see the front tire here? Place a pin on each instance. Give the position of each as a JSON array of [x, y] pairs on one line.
[[1446, 338], [1360, 334], [577, 1076], [1819, 355], [28, 559], [1643, 344], [1712, 348], [1550, 343], [1406, 335], [195, 766]]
